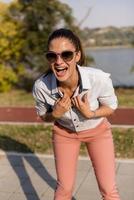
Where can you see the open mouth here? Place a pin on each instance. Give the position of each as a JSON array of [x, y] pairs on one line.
[[60, 71]]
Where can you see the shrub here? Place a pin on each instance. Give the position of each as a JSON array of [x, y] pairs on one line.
[[7, 78]]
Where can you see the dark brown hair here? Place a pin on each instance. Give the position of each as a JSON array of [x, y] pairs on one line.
[[72, 37]]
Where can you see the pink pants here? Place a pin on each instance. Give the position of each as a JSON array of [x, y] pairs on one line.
[[100, 148]]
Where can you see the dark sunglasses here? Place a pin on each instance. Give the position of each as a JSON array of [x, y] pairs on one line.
[[65, 55]]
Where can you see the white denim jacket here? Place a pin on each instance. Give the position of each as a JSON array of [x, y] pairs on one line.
[[95, 82]]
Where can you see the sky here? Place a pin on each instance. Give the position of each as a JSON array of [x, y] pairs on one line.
[[103, 13]]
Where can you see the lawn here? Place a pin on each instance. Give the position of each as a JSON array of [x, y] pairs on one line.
[[19, 98], [37, 139], [22, 98], [125, 97]]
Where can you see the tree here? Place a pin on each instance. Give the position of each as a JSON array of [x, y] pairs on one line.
[[24, 29], [39, 18], [9, 49]]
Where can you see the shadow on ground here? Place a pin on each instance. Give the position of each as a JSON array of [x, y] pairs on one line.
[[9, 144]]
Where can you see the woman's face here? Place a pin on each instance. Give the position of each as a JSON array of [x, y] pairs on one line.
[[63, 70]]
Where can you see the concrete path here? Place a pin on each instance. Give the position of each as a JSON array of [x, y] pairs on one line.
[[32, 177]]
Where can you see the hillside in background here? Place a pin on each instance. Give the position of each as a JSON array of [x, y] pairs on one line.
[[108, 36]]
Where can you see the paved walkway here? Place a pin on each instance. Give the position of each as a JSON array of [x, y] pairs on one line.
[[32, 177]]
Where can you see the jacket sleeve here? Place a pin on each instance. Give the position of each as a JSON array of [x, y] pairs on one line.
[[107, 94], [41, 104]]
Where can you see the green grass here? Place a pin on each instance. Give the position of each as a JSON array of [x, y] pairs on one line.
[[125, 97], [25, 138], [37, 139], [18, 98], [22, 98], [124, 142]]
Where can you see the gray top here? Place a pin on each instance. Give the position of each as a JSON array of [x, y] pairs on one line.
[[96, 83]]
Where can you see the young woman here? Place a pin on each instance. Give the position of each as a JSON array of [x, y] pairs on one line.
[[78, 99]]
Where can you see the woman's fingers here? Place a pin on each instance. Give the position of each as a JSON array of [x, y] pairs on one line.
[[80, 102], [64, 103], [77, 101], [85, 98]]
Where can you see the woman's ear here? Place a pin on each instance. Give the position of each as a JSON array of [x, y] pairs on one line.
[[78, 56]]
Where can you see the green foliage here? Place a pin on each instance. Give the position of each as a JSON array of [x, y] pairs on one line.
[[24, 29], [7, 78], [38, 18], [11, 43]]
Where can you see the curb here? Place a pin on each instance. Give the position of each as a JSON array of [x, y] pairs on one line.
[[3, 153]]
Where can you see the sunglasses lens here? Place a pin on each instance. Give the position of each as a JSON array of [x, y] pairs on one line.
[[67, 55], [51, 57]]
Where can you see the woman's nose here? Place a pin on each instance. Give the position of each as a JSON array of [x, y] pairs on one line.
[[59, 60]]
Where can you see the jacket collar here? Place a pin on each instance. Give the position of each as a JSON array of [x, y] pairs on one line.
[[85, 81]]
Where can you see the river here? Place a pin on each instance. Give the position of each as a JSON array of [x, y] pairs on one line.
[[116, 61]]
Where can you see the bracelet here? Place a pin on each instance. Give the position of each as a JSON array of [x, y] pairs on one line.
[[94, 112]]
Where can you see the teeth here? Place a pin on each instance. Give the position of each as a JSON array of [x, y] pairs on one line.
[[60, 69]]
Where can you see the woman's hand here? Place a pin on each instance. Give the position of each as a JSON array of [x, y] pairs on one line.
[[61, 106], [82, 104]]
